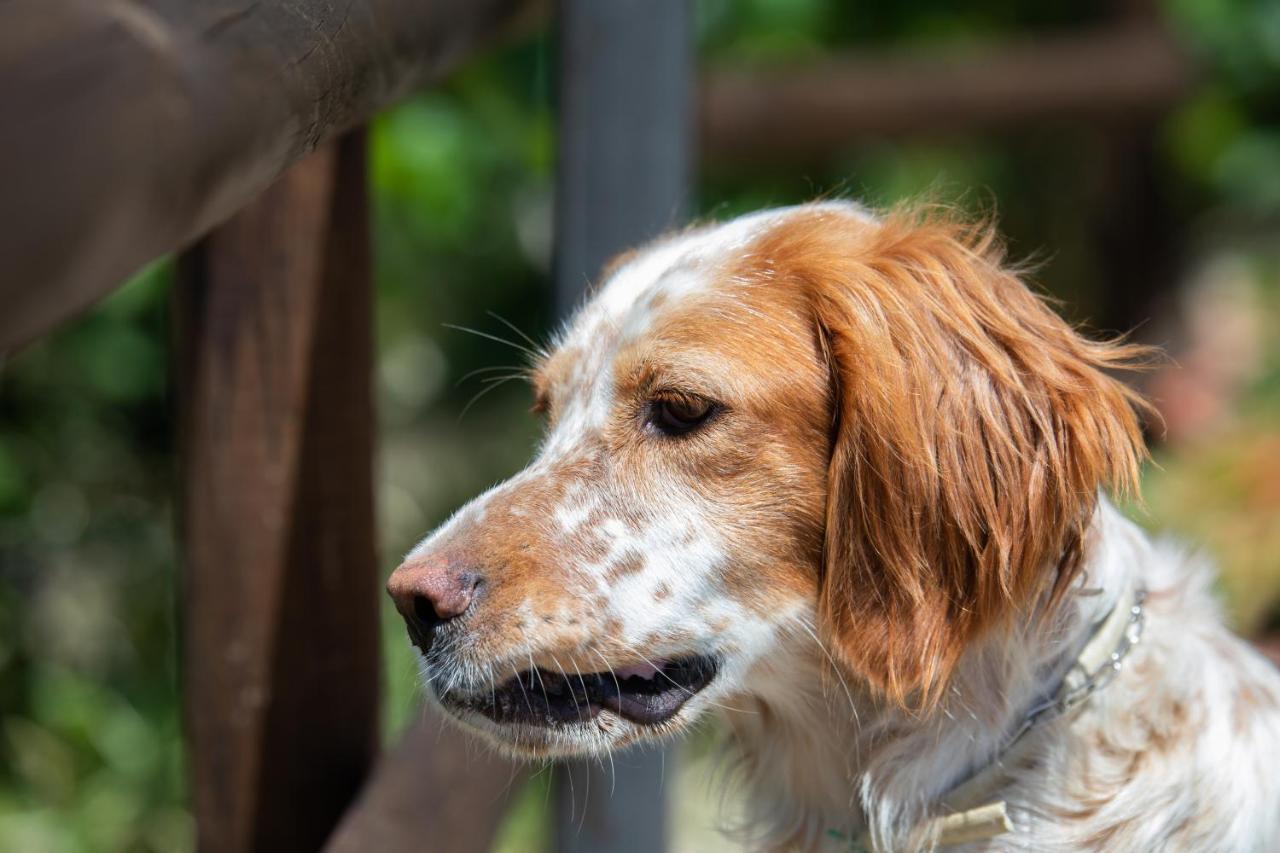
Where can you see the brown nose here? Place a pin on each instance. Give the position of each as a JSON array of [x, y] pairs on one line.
[[429, 591]]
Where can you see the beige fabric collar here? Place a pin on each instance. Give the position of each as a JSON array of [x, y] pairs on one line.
[[972, 817]]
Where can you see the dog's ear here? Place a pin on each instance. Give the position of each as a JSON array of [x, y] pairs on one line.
[[972, 430]]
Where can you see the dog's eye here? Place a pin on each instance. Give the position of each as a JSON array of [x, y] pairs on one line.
[[679, 414]]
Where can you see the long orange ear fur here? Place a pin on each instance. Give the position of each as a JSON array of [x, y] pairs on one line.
[[972, 430]]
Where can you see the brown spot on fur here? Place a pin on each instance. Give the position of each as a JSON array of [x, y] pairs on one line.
[[675, 637], [1248, 702], [589, 545], [631, 563], [1104, 837], [1087, 810], [1173, 731], [662, 592]]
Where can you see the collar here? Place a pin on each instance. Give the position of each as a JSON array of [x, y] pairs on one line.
[[971, 813]]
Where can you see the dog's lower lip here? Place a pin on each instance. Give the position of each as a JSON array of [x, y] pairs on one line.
[[540, 698]]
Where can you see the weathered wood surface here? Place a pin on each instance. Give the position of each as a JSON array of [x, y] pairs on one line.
[[279, 585], [623, 176], [131, 127], [1125, 73], [432, 792]]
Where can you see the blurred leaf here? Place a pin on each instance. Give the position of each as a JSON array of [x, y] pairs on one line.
[[1201, 130], [119, 361], [141, 295], [45, 762], [1249, 170]]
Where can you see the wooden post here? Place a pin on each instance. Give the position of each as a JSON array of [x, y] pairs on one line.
[[1137, 233], [626, 85], [279, 586]]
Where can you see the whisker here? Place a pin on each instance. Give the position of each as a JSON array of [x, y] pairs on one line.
[[573, 795], [525, 693], [481, 393], [489, 369], [607, 667], [495, 338], [586, 798], [613, 770], [560, 667], [533, 670], [504, 378], [537, 347], [853, 707]]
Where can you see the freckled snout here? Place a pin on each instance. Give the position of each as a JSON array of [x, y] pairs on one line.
[[429, 591]]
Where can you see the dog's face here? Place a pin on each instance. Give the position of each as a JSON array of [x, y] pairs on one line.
[[800, 424]]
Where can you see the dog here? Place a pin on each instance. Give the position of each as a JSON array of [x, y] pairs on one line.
[[841, 478]]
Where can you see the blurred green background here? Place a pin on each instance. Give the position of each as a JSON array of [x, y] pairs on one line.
[[90, 743]]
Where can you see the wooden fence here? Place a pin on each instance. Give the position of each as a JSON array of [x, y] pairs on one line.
[[231, 131]]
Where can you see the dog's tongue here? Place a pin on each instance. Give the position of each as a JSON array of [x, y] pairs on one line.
[[645, 670]]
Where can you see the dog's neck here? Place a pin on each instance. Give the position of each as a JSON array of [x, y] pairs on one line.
[[822, 756]]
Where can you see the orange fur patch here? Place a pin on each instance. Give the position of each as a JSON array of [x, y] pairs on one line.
[[972, 429]]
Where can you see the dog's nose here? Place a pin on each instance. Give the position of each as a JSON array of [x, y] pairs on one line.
[[429, 592]]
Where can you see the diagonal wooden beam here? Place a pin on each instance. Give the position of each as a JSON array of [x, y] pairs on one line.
[[432, 792]]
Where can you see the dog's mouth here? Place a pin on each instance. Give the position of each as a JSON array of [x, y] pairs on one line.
[[646, 694]]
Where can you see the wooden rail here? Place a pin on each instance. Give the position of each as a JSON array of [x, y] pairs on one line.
[[1124, 73], [132, 127]]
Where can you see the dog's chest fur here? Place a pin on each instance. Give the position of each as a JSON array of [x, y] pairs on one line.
[[1176, 753]]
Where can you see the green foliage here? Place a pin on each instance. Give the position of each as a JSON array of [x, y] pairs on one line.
[[90, 750]]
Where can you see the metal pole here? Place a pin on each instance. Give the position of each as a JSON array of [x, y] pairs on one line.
[[626, 83]]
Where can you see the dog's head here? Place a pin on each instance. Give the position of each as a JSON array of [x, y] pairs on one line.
[[801, 424]]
